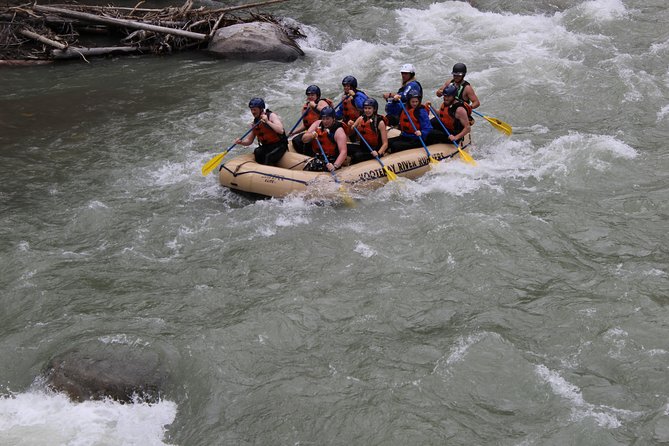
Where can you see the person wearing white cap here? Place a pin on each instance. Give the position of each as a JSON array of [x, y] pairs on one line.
[[409, 82]]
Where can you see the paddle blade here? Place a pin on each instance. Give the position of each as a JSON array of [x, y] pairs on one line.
[[348, 200], [466, 157], [499, 125], [433, 161], [213, 163], [389, 173]]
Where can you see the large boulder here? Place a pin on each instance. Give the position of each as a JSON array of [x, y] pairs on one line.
[[118, 372], [254, 41]]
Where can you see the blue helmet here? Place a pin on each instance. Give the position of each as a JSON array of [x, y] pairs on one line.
[[328, 111], [257, 102], [350, 80], [451, 90], [371, 102], [313, 89], [413, 94]]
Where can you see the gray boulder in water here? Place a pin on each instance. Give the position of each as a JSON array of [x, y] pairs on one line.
[[120, 373], [254, 41]]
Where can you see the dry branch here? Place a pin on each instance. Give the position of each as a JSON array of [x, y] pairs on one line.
[[121, 22], [42, 39]]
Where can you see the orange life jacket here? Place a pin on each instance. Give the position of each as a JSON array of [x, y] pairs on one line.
[[266, 134], [405, 124], [313, 114], [369, 129], [447, 116], [349, 111], [326, 138]]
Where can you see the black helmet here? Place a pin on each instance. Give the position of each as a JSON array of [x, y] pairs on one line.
[[328, 111], [371, 102], [257, 102], [413, 94], [313, 89], [459, 68], [350, 80]]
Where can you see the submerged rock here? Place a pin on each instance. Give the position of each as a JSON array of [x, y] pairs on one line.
[[116, 372], [254, 41]]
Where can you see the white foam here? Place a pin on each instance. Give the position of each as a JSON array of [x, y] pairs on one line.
[[604, 416], [364, 250], [41, 418], [603, 10], [95, 204], [663, 113]]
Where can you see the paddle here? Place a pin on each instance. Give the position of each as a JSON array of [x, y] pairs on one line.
[[499, 125], [464, 155], [347, 198], [307, 111], [216, 161], [429, 156], [389, 173]]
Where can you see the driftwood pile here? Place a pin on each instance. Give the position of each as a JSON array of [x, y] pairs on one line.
[[33, 34]]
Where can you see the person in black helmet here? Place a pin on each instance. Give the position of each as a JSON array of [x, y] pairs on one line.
[[351, 105], [465, 92], [332, 138], [270, 133], [310, 113]]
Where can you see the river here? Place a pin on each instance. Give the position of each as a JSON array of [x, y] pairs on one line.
[[521, 301]]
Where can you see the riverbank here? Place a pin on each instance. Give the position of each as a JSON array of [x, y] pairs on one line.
[[37, 34]]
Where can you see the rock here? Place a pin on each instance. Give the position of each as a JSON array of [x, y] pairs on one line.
[[117, 372], [254, 41]]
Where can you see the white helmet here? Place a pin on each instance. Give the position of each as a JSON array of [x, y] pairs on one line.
[[408, 68]]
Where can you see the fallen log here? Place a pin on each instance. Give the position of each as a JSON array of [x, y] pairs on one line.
[[248, 5], [121, 22], [76, 52], [42, 39]]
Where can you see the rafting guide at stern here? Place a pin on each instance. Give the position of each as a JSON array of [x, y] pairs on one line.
[[268, 128]]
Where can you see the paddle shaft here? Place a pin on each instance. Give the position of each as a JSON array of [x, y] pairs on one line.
[[442, 125], [325, 157], [463, 154], [362, 138], [429, 155], [215, 161], [305, 114]]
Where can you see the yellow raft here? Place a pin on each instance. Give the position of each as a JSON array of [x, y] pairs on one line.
[[243, 174]]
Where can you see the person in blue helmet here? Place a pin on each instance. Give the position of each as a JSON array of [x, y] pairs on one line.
[[454, 115], [409, 82], [332, 139], [272, 140], [416, 116], [310, 113], [372, 127], [351, 106]]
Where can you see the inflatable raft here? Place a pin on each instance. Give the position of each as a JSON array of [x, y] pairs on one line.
[[243, 174]]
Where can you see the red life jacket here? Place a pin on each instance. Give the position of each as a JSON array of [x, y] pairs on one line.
[[312, 115], [326, 138], [266, 134], [405, 124], [369, 129]]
